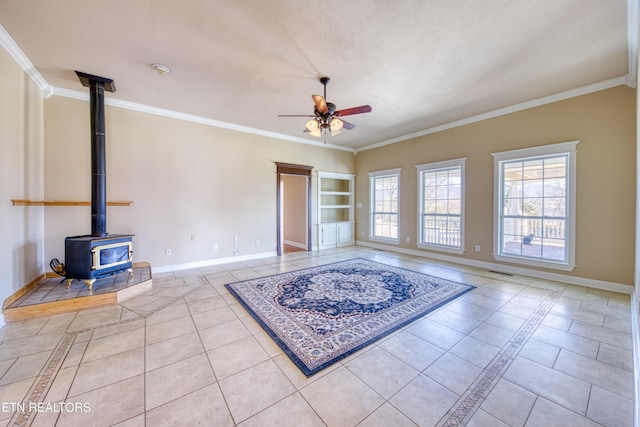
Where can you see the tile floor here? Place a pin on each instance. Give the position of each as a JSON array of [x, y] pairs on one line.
[[516, 351]]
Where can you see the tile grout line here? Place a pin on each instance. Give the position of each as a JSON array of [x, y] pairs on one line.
[[44, 381], [471, 400], [143, 315]]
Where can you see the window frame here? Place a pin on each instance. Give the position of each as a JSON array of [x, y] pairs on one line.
[[434, 167], [372, 177], [530, 154]]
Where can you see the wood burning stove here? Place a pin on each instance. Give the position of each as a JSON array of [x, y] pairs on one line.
[[90, 258], [99, 254]]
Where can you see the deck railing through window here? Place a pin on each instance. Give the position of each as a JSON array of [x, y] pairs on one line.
[[385, 224], [441, 229], [541, 237]]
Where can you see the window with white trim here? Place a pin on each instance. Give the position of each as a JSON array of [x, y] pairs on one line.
[[384, 205], [535, 209], [441, 205]]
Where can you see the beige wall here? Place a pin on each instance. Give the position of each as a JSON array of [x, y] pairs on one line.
[[603, 122], [184, 178], [21, 177], [295, 209]]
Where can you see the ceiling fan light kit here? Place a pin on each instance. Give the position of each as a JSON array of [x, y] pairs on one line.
[[325, 116], [336, 126], [313, 127]]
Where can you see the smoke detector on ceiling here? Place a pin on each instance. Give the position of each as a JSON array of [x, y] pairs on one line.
[[161, 69]]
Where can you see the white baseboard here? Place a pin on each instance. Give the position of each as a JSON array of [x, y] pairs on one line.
[[296, 244], [557, 277], [210, 262]]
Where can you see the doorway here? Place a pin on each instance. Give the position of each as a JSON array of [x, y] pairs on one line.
[[293, 207]]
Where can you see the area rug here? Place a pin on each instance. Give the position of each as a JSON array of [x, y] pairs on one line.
[[322, 314]]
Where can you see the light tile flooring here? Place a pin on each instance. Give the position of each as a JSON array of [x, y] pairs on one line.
[[515, 351]]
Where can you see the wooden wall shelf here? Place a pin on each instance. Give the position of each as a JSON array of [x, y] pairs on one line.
[[63, 203]]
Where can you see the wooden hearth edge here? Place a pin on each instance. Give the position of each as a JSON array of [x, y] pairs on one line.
[[18, 202], [58, 307], [23, 290], [65, 306]]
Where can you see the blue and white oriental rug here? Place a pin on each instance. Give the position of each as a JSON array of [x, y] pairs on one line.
[[322, 314]]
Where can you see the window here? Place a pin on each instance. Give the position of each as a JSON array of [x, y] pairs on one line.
[[384, 205], [441, 205], [535, 210]]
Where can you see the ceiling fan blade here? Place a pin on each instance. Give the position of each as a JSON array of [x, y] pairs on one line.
[[346, 125], [355, 110], [321, 104], [296, 115]]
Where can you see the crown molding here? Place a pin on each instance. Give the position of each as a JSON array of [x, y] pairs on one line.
[[633, 32], [16, 53], [84, 96], [584, 90]]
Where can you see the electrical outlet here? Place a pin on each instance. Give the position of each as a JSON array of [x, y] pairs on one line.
[[167, 251], [215, 246], [408, 239], [193, 236], [477, 248]]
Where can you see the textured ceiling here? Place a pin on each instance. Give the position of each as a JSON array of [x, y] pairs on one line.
[[419, 63]]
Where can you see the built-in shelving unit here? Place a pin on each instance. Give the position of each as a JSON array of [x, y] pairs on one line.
[[335, 209]]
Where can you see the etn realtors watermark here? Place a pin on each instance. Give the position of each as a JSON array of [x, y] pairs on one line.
[[45, 407]]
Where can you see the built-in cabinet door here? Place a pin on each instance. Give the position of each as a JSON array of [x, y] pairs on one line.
[[328, 235], [345, 233]]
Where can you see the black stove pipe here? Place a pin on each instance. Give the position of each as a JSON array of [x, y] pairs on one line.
[[97, 87], [98, 162]]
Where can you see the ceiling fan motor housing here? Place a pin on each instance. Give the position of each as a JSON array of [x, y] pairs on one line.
[[331, 110], [326, 116]]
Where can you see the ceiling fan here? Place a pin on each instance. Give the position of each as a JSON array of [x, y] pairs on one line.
[[326, 117]]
